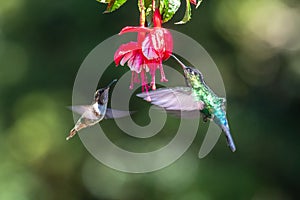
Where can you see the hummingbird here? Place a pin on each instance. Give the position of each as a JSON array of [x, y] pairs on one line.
[[96, 112], [197, 96]]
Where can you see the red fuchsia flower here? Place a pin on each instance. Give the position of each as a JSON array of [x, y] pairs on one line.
[[136, 61], [193, 2], [154, 46]]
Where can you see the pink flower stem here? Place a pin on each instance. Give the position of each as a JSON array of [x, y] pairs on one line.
[[136, 78], [145, 84], [162, 74], [153, 80], [132, 80]]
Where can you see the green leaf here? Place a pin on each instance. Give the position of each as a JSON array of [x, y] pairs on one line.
[[149, 15], [162, 5], [198, 4], [146, 4], [148, 12], [168, 8], [188, 13], [112, 4]]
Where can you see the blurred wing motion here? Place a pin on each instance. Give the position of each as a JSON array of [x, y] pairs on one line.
[[112, 113], [174, 99], [185, 114], [88, 112]]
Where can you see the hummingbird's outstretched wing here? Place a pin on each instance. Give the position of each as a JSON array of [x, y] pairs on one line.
[[174, 99], [89, 112], [85, 110], [113, 113], [186, 114]]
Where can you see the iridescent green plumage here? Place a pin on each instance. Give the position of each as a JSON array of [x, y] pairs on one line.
[[214, 106], [196, 97]]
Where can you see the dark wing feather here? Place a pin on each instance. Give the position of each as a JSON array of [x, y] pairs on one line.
[[178, 98]]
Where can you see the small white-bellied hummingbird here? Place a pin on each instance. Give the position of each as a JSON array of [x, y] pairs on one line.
[[197, 96], [97, 111]]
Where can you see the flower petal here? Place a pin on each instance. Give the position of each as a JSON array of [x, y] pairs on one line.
[[158, 40], [137, 63], [126, 57], [148, 50], [129, 29], [168, 44], [145, 66], [193, 2], [158, 44], [124, 49]]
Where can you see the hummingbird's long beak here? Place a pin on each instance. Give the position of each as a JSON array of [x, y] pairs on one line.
[[113, 81], [181, 63]]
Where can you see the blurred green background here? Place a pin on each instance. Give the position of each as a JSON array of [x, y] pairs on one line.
[[255, 44]]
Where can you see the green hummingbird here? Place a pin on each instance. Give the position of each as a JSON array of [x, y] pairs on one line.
[[197, 96], [96, 112]]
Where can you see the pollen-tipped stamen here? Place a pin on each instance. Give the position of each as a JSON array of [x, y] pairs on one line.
[[162, 74], [132, 80]]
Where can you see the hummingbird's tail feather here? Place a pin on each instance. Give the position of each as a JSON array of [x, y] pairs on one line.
[[72, 133], [229, 139]]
